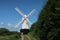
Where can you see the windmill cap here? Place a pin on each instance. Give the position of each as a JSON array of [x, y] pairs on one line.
[[25, 15]]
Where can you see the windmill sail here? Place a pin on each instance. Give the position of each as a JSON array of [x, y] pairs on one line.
[[20, 12], [18, 24], [31, 12]]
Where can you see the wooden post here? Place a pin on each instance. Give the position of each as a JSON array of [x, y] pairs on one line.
[[22, 38]]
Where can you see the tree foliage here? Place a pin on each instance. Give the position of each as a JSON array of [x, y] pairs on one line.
[[47, 26]]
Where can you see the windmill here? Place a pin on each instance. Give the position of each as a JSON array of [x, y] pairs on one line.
[[25, 21]]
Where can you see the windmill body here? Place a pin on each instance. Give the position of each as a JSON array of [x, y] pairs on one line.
[[25, 21]]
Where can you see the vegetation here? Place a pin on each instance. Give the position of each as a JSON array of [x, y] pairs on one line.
[[47, 26], [5, 34]]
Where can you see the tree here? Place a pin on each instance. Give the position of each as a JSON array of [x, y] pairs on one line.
[[47, 26]]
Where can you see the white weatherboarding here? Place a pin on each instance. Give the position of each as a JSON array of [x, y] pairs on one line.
[[25, 21]]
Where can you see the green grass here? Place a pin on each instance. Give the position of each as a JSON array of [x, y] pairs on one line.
[[10, 37]]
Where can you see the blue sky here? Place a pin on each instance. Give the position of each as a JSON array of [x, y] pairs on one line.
[[9, 16]]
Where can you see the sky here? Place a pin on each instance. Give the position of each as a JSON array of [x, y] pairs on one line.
[[10, 17]]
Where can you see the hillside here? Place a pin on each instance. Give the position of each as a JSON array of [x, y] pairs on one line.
[[5, 34], [47, 26]]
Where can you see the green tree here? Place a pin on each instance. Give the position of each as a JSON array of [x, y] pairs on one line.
[[47, 26]]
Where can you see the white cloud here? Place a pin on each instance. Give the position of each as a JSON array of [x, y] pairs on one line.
[[10, 25], [6, 25], [1, 23]]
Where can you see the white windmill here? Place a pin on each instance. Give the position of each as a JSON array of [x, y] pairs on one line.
[[25, 21]]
